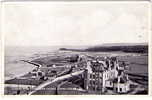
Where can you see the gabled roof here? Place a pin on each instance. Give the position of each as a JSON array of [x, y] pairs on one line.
[[122, 80]]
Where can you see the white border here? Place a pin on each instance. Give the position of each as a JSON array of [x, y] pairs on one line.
[[41, 97]]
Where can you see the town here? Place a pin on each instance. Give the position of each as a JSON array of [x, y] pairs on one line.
[[75, 74]]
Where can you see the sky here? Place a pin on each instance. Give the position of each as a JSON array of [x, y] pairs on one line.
[[74, 23]]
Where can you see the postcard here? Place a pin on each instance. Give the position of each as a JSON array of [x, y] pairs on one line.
[[76, 48]]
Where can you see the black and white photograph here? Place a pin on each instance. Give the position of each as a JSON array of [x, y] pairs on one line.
[[76, 48]]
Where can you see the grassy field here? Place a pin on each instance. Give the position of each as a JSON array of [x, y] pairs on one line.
[[138, 64]]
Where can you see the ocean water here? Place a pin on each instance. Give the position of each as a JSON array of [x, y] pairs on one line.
[[14, 67]]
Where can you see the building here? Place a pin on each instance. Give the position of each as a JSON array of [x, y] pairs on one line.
[[121, 85], [104, 74]]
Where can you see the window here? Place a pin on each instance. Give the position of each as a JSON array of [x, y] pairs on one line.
[[34, 74], [90, 82], [93, 76], [40, 73], [90, 76], [116, 89], [93, 82], [110, 83], [120, 89], [94, 88]]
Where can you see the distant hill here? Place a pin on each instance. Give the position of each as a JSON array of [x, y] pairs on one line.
[[123, 44], [69, 49], [124, 47]]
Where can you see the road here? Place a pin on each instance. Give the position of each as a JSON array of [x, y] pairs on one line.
[[58, 79]]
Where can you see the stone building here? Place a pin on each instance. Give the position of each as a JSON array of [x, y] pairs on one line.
[[104, 74]]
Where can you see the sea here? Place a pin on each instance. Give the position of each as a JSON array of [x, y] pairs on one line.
[[14, 67]]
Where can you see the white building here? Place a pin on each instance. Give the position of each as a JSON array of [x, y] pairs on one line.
[[106, 74], [121, 85]]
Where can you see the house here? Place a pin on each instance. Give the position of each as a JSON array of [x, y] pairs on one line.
[[104, 74], [121, 85], [93, 80]]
